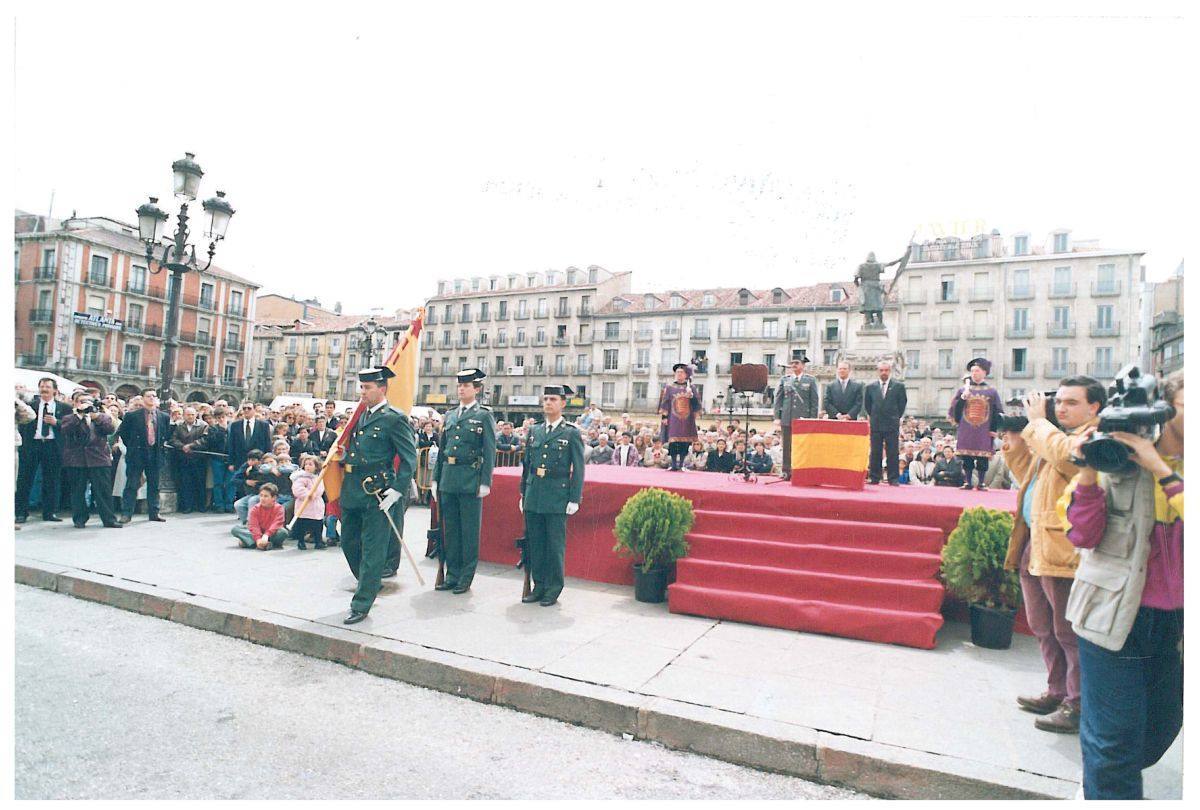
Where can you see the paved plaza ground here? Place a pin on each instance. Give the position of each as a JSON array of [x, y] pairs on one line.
[[947, 710]]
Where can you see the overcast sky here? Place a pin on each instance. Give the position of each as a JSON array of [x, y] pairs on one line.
[[371, 151]]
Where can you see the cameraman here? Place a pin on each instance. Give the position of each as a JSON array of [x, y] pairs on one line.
[[1040, 459], [88, 459], [1127, 606]]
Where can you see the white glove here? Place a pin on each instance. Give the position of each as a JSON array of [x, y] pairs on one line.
[[433, 489], [391, 499], [484, 489], [572, 508], [521, 505]]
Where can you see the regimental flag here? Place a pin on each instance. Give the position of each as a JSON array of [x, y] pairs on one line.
[[832, 452], [402, 360]]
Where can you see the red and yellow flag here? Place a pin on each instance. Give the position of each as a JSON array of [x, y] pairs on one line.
[[401, 393], [830, 452]]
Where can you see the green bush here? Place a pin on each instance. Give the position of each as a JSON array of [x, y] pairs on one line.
[[973, 560], [651, 527]]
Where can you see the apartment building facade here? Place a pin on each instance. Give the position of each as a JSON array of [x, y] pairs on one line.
[[90, 308], [527, 330], [1038, 312], [1166, 325]]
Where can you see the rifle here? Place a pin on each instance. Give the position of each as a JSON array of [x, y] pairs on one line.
[[523, 544], [437, 538]]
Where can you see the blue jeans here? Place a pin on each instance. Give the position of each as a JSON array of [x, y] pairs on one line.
[[331, 527], [222, 485], [1132, 704], [242, 506]]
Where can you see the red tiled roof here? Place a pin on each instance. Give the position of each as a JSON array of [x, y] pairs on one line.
[[816, 295]]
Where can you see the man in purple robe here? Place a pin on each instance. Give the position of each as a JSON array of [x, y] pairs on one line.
[[678, 406], [975, 409]]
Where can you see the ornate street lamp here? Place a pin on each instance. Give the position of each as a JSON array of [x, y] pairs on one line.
[[177, 255], [369, 345]]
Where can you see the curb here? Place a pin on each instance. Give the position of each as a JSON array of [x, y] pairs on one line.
[[877, 769]]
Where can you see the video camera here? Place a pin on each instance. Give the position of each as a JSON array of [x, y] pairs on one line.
[[1012, 423], [92, 407], [1134, 406]]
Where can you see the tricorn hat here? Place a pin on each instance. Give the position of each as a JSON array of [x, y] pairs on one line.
[[982, 362], [563, 391], [377, 374], [685, 366], [470, 375]]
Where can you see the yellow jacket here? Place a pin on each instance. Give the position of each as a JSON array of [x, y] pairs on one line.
[[1047, 453]]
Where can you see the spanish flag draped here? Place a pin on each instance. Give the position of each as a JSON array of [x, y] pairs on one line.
[[829, 452], [402, 360]]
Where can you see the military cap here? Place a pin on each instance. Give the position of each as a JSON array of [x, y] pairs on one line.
[[801, 356], [376, 375], [470, 375], [982, 362], [563, 391]]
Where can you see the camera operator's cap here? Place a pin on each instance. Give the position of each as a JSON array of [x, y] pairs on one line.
[[470, 375], [376, 375], [982, 362], [563, 391]]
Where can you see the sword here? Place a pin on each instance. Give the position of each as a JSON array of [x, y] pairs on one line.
[[387, 514]]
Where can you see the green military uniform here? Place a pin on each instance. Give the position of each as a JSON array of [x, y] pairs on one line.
[[552, 478], [465, 459], [380, 436]]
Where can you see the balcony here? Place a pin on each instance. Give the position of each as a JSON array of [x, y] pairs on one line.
[[310, 372], [915, 373], [948, 297], [701, 337], [643, 335], [521, 316], [207, 303], [831, 339], [235, 310], [606, 370], [481, 342], [583, 340], [462, 344], [443, 344], [1059, 330], [46, 272], [431, 318], [946, 333], [982, 332], [502, 315], [538, 341], [501, 341], [484, 317], [1020, 293], [136, 289], [234, 345], [134, 370], [1102, 371], [621, 336], [914, 297], [668, 335], [90, 364], [465, 318], [289, 373], [581, 369], [1111, 329], [156, 294], [942, 373], [204, 379], [1105, 289], [641, 370], [520, 340], [561, 341], [1018, 372], [912, 333], [798, 336], [449, 318], [641, 404], [145, 329], [1062, 290], [562, 313], [32, 360], [1015, 331], [98, 280], [41, 315], [981, 294], [583, 312], [1058, 372]]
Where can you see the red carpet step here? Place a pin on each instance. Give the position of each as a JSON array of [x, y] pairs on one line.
[[855, 578]]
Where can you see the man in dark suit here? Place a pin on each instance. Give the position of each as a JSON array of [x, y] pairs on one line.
[[145, 431], [246, 434], [844, 396], [321, 436], [41, 447], [187, 437], [332, 420], [884, 402]]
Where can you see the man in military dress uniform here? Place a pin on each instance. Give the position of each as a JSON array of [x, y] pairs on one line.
[[795, 398], [551, 489], [381, 434], [462, 478]]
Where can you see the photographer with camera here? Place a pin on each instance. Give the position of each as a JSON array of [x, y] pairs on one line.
[[87, 459], [1127, 602], [1039, 457]]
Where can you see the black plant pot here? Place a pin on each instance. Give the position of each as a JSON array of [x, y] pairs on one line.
[[651, 586], [992, 627]]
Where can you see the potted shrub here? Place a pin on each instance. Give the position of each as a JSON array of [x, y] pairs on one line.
[[973, 569], [650, 528]]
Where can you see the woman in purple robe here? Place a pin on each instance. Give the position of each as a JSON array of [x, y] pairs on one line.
[[975, 409]]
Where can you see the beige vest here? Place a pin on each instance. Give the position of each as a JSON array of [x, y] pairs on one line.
[[1108, 584]]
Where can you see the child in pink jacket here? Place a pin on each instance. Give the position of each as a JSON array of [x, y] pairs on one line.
[[311, 519]]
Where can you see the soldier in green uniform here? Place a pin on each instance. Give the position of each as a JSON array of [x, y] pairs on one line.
[[551, 489], [462, 478], [381, 434]]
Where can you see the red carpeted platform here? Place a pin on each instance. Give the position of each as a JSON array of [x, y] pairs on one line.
[[854, 564]]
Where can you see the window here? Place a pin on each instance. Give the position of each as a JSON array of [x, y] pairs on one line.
[[445, 365], [571, 276], [335, 345], [800, 330], [531, 280], [98, 272], [1019, 359], [831, 329], [836, 294], [133, 317], [45, 300], [830, 356], [232, 338], [592, 275], [446, 316], [585, 305], [235, 302], [671, 328], [641, 390], [352, 361], [1062, 317], [648, 302], [270, 347], [483, 309], [581, 364], [983, 284], [608, 393], [200, 366], [676, 301], [737, 327], [769, 362], [503, 310], [1060, 243], [1062, 281], [1106, 278], [95, 305], [643, 358], [542, 312], [466, 312], [464, 336], [230, 373], [1020, 245], [41, 345], [770, 327], [91, 353], [560, 364], [522, 308], [48, 260], [946, 290], [912, 358], [137, 279], [945, 359], [612, 329], [1020, 281], [610, 359], [206, 295], [743, 297], [499, 363], [540, 334], [1020, 320], [290, 368], [130, 358], [428, 369], [700, 327], [669, 355], [735, 358], [1104, 316], [313, 345], [1058, 360], [708, 300]]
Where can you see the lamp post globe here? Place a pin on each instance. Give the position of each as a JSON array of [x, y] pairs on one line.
[[187, 174], [218, 212], [151, 219]]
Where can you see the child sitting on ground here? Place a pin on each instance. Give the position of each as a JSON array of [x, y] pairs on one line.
[[310, 520], [265, 524]]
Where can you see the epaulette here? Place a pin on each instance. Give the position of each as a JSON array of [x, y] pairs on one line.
[[397, 410]]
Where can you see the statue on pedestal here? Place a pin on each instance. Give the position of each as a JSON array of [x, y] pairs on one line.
[[871, 292]]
